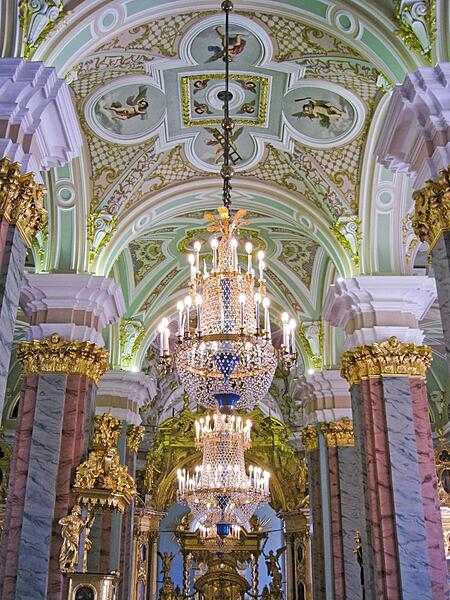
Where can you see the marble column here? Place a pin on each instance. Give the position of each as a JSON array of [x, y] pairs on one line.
[[326, 401], [310, 439], [61, 365], [38, 130], [123, 394], [385, 365], [416, 141]]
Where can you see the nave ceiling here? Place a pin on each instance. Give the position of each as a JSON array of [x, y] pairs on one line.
[[310, 83]]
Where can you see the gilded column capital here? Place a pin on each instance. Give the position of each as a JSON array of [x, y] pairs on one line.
[[432, 209], [57, 355], [310, 438], [391, 357], [338, 433], [21, 200], [135, 435]]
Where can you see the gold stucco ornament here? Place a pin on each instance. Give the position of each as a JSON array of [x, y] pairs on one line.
[[21, 200], [58, 355], [432, 209], [391, 357], [102, 480], [338, 433]]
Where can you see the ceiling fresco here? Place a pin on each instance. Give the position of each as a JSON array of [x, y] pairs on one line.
[[309, 82]]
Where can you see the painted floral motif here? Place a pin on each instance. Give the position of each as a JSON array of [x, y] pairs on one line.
[[146, 254], [299, 255]]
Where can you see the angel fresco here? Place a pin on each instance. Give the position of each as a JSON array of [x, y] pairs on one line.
[[236, 45], [136, 106], [217, 140], [322, 110]]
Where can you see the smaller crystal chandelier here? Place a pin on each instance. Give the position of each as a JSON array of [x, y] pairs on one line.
[[224, 354], [220, 492]]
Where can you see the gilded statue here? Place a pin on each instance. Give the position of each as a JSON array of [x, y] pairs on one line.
[[166, 558], [273, 565], [71, 528]]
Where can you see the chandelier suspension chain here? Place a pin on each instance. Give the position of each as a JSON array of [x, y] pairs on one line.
[[227, 123]]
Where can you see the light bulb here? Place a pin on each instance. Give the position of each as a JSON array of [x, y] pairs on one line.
[[242, 298], [164, 322], [188, 301], [198, 300], [248, 247], [233, 243], [284, 317], [191, 259], [214, 243], [292, 323], [260, 255], [180, 305], [197, 246], [266, 302], [258, 297]]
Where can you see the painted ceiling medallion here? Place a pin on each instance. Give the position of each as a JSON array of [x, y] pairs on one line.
[[126, 111], [323, 114]]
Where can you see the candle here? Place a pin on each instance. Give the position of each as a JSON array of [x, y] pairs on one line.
[[180, 308], [248, 249], [214, 246], [258, 299], [293, 325], [197, 246], [191, 261], [242, 299], [198, 303], [187, 305], [233, 244], [284, 320], [266, 304], [261, 263]]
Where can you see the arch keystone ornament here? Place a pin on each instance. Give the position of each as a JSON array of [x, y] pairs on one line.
[[57, 355], [391, 357]]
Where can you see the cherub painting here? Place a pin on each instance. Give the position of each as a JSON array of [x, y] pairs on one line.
[[237, 43], [137, 106], [119, 109], [322, 110]]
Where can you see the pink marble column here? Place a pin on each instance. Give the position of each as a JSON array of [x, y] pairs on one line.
[[386, 365], [54, 425], [123, 393]]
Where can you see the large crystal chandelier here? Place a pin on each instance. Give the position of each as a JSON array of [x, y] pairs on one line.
[[224, 354], [220, 492]]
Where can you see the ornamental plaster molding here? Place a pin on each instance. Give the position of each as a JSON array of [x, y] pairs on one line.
[[38, 121], [374, 308], [128, 385], [415, 137], [328, 399], [68, 331], [100, 296]]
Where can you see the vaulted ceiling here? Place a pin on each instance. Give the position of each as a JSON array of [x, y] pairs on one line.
[[310, 82]]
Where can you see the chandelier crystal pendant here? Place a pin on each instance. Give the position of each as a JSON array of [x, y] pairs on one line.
[[219, 492]]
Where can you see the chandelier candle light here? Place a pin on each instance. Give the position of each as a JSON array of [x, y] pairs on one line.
[[219, 491]]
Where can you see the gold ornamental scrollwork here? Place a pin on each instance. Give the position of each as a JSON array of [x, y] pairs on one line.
[[135, 435], [338, 433], [310, 438], [432, 209], [21, 200], [58, 355], [391, 357], [102, 480]]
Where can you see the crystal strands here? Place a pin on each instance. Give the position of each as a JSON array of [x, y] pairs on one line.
[[219, 491], [224, 353]]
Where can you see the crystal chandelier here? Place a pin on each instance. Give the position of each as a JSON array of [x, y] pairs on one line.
[[224, 354], [220, 492]]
